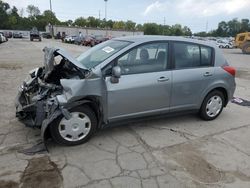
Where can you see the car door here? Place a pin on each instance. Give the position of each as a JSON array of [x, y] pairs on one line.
[[145, 84], [193, 72]]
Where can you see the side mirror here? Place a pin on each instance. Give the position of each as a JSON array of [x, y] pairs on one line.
[[116, 74]]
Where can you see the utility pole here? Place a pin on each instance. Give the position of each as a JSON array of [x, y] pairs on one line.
[[106, 17], [164, 23], [99, 14], [106, 9], [206, 26], [52, 29], [50, 5]]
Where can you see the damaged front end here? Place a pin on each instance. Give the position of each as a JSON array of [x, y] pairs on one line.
[[36, 102]]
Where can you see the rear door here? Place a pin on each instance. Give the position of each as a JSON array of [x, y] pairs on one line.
[[193, 72], [145, 84]]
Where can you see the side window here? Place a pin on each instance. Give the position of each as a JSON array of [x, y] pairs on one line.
[[145, 58], [186, 55], [241, 38], [206, 56]]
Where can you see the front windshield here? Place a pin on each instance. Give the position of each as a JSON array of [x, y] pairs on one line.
[[101, 52]]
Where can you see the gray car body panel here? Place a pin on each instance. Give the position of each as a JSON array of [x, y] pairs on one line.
[[184, 94], [130, 98]]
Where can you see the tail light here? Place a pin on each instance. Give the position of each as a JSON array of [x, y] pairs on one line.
[[230, 70]]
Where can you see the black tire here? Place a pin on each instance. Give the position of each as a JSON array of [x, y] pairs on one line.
[[245, 47], [203, 110], [54, 127]]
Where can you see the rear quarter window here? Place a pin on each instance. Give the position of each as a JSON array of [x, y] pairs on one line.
[[206, 56], [189, 55]]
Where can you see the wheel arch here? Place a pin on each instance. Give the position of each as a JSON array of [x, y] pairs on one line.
[[222, 90], [93, 102]]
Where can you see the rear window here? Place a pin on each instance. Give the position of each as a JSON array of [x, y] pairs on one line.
[[187, 55]]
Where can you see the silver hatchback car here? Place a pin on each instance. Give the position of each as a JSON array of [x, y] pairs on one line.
[[123, 79]]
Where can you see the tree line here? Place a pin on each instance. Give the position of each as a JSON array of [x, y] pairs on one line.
[[12, 18], [228, 29]]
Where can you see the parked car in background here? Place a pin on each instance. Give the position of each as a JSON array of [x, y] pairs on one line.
[[93, 40], [63, 36], [89, 41], [35, 34], [70, 39], [58, 36], [224, 44], [7, 34], [124, 79], [2, 38], [79, 40], [99, 39], [17, 35], [46, 35]]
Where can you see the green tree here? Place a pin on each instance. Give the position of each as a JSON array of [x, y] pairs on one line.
[[50, 17], [130, 25], [177, 30], [92, 22], [245, 25], [186, 31], [81, 22], [4, 7], [119, 25], [151, 29], [139, 27], [33, 11]]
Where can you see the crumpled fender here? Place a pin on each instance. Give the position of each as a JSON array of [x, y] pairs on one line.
[[47, 122], [58, 112]]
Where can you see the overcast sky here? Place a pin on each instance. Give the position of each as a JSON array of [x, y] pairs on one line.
[[196, 14]]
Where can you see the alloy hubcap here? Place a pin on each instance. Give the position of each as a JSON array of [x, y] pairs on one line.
[[214, 106], [76, 128]]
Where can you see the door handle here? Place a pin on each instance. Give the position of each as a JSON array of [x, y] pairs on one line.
[[206, 74], [163, 79]]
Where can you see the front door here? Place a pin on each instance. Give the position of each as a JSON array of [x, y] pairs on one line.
[[145, 84]]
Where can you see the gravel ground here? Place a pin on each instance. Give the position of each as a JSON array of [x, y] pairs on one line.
[[178, 152]]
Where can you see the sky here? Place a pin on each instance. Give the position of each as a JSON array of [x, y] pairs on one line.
[[198, 15]]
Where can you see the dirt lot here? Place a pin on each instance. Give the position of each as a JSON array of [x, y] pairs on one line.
[[172, 152]]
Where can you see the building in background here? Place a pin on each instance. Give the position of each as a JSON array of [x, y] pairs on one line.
[[74, 31]]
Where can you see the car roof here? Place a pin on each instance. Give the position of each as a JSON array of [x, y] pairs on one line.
[[150, 38]]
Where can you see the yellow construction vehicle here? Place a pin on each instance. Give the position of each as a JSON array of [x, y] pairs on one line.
[[242, 41]]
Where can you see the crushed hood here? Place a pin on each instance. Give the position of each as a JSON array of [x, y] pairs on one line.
[[51, 53]]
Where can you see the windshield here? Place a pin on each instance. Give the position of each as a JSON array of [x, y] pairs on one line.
[[101, 52]]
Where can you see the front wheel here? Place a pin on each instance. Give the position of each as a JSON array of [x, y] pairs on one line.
[[212, 105], [76, 130]]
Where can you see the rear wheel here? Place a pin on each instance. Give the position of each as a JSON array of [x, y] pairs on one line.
[[246, 48], [76, 130], [212, 105]]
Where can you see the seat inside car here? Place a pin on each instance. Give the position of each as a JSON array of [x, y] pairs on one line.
[[144, 55], [161, 57]]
